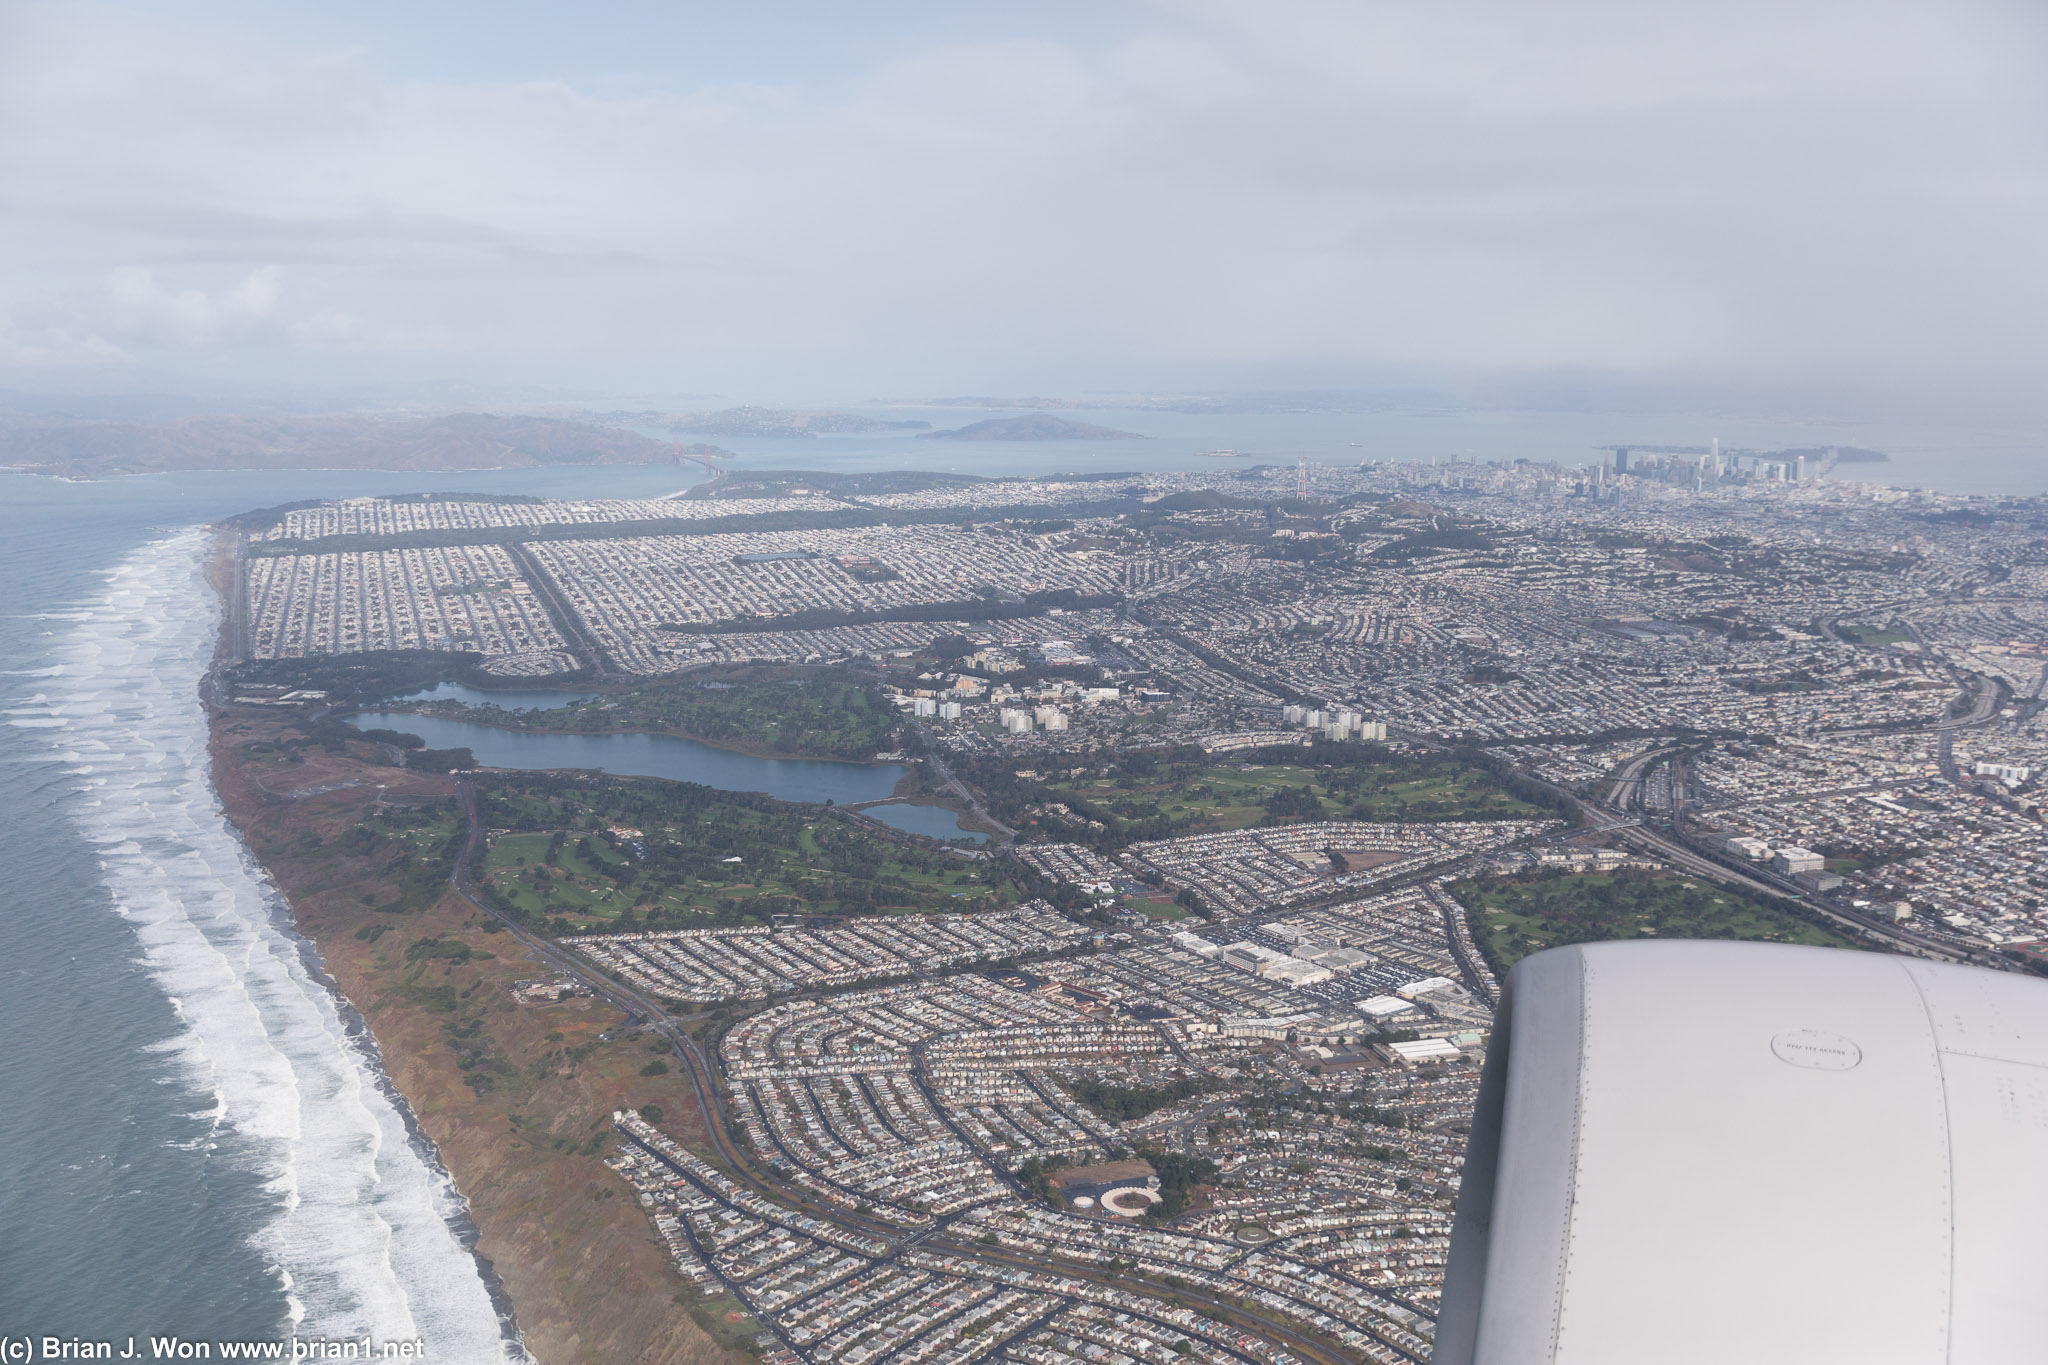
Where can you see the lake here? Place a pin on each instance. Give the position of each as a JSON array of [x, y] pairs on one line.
[[636, 755], [934, 822]]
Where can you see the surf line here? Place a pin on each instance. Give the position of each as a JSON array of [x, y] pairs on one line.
[[295, 1073]]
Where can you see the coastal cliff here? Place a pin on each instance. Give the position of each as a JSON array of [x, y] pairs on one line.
[[516, 1095]]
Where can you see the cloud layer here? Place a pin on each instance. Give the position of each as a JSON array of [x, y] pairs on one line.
[[1202, 194]]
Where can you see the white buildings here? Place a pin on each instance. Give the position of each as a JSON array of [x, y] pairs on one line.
[[1292, 971], [1262, 961], [1793, 859], [1335, 724], [1249, 957], [2010, 774], [1339, 960]]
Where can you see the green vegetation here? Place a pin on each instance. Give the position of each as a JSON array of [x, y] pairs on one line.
[[483, 1064], [1151, 798], [1037, 1175], [359, 678], [1522, 915], [443, 950], [1258, 1107], [1874, 635], [1799, 680], [1159, 910], [1209, 500], [1121, 1104], [415, 849], [1178, 1177], [820, 715], [1419, 543], [701, 857], [728, 1322]]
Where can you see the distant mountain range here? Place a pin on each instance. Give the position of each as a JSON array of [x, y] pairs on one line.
[[1214, 404], [467, 440], [1037, 426], [777, 422]]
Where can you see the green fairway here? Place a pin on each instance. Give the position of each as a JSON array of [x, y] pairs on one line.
[[1874, 635], [612, 854], [1514, 917], [1190, 799]]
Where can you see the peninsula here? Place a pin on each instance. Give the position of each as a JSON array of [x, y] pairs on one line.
[[1173, 1051]]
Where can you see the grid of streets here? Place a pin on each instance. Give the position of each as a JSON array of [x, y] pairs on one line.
[[1817, 691]]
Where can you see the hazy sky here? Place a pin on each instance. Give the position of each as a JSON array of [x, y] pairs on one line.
[[909, 199]]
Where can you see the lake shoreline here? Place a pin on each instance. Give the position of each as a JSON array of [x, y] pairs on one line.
[[471, 715], [516, 1199], [666, 755]]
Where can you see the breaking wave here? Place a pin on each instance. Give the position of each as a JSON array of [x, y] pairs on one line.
[[366, 1234]]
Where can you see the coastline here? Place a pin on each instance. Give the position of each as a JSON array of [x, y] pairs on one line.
[[512, 1187], [223, 576], [461, 1219]]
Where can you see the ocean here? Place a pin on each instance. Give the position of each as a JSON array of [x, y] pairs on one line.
[[197, 1140]]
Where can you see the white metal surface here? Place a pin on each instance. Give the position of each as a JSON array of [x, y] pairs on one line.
[[1706, 1152]]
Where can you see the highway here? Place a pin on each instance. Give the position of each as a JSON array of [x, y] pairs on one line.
[[1620, 813], [568, 624], [1685, 854], [1475, 979], [973, 802]]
